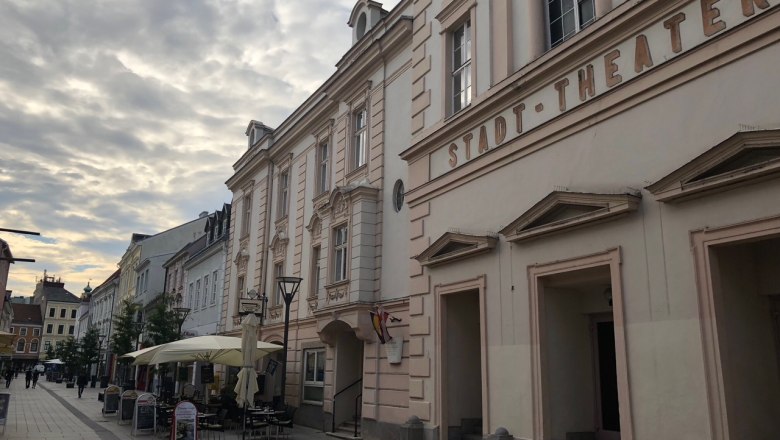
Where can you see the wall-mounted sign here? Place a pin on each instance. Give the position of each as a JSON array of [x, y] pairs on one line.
[[207, 373], [681, 31]]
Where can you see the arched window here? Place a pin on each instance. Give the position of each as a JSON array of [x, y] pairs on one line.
[[361, 25], [20, 345], [34, 346]]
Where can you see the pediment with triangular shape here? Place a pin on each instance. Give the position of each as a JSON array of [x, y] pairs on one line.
[[454, 246], [745, 158], [562, 210]]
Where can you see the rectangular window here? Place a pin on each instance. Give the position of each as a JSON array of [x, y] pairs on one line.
[[359, 138], [70, 329], [197, 295], [46, 345], [73, 314], [205, 290], [137, 285], [340, 254], [284, 191], [322, 168], [34, 346], [315, 271], [239, 292], [12, 329], [63, 312], [214, 288], [247, 216], [314, 375], [567, 17], [60, 329], [23, 331], [189, 295], [146, 280], [278, 272], [36, 332], [49, 328], [461, 67], [20, 346], [51, 312]]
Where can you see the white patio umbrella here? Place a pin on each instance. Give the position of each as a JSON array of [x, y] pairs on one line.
[[54, 361], [247, 377], [141, 356], [224, 350]]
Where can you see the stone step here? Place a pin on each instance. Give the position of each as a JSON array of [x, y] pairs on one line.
[[343, 436]]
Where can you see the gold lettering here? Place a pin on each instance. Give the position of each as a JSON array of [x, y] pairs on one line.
[[610, 68], [587, 82], [748, 6], [673, 24], [642, 57], [560, 86], [518, 111], [467, 140], [500, 130], [710, 14], [483, 143], [453, 155]]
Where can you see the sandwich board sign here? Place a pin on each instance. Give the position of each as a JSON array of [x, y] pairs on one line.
[[145, 417], [185, 416], [111, 400], [127, 406]]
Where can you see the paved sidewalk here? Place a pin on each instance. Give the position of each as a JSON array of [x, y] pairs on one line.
[[52, 411]]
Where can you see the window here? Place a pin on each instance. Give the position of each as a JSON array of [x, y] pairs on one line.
[[23, 331], [189, 295], [359, 138], [314, 375], [322, 168], [70, 329], [73, 314], [284, 190], [49, 328], [197, 295], [278, 272], [34, 346], [46, 345], [137, 285], [315, 271], [12, 329], [214, 288], [36, 332], [63, 312], [247, 217], [239, 292], [60, 329], [205, 290], [51, 312], [340, 254], [146, 280], [461, 67], [567, 17], [20, 346]]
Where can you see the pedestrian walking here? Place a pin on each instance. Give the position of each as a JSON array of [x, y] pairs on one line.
[[9, 374], [27, 378], [35, 375], [16, 373], [81, 382]]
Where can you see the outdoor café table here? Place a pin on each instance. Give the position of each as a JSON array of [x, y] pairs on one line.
[[265, 414]]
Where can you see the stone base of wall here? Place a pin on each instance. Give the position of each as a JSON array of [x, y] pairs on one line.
[[311, 416], [377, 430]]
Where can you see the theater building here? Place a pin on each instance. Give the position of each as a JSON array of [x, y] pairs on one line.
[[594, 203]]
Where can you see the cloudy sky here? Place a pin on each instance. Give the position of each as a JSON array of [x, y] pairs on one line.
[[122, 116]]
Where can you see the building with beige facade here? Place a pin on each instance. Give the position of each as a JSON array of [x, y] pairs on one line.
[[320, 197], [59, 308], [594, 219]]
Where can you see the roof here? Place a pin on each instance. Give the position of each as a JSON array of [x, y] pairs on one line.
[[5, 250], [188, 249], [29, 314], [53, 291], [109, 279]]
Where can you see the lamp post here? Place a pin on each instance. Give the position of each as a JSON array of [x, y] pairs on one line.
[[288, 287], [97, 375], [181, 313], [139, 329]]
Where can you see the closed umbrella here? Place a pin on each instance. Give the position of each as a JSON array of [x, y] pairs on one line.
[[247, 377]]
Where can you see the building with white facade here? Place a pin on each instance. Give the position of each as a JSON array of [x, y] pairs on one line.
[[593, 195], [103, 305]]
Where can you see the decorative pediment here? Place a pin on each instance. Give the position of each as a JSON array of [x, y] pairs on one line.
[[745, 158], [241, 259], [455, 246], [279, 245], [315, 227], [339, 207], [567, 210]]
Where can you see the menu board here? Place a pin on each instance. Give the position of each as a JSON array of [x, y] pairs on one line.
[[184, 418], [111, 399], [127, 406], [145, 416], [5, 399], [207, 373]]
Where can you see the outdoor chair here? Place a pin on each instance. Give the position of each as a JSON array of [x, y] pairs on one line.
[[219, 424], [284, 421]]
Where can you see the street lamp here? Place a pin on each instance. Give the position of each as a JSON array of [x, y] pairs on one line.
[[181, 313], [289, 287], [97, 375]]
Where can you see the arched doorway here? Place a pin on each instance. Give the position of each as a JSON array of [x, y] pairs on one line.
[[347, 355]]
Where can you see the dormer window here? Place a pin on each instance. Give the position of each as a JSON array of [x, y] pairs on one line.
[[365, 15], [360, 30]]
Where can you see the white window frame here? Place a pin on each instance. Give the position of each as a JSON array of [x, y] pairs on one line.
[[319, 353], [359, 137], [24, 345], [50, 329], [316, 268], [278, 272], [461, 74], [284, 192], [197, 295], [190, 293], [323, 160], [246, 217], [578, 23], [206, 286], [23, 331], [214, 288], [340, 253], [36, 332], [34, 341]]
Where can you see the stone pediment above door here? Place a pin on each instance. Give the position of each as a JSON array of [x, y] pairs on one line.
[[562, 210], [454, 246], [745, 158]]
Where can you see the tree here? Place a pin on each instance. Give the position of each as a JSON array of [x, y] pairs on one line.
[[50, 354], [68, 353], [125, 334], [90, 347], [163, 323]]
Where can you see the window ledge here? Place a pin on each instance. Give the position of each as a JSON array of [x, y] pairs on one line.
[[281, 220], [336, 292], [357, 172]]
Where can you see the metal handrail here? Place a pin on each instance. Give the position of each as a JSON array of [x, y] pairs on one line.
[[358, 398], [333, 419]]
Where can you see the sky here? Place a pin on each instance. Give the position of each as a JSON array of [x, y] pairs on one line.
[[123, 116]]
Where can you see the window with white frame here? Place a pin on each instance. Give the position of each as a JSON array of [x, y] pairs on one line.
[[214, 287], [359, 137], [23, 331], [46, 345], [239, 292], [34, 346], [20, 346], [284, 191], [313, 375], [49, 328], [461, 66], [340, 253], [190, 293], [36, 332], [315, 271], [197, 295], [146, 280], [63, 312], [567, 17], [206, 286], [278, 272], [322, 167], [73, 314], [247, 216]]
